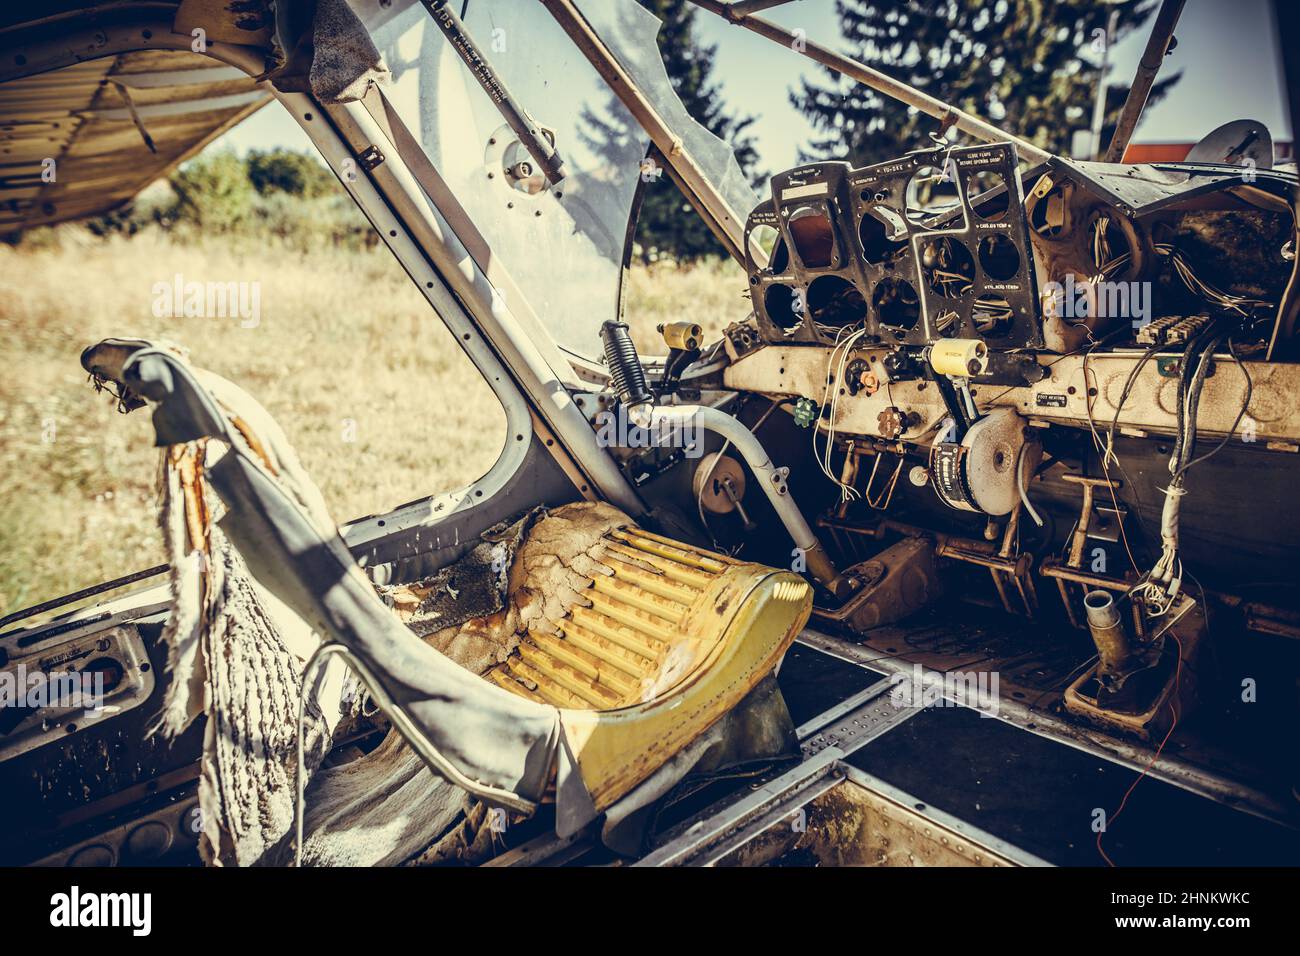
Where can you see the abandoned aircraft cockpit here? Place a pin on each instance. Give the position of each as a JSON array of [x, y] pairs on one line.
[[970, 521]]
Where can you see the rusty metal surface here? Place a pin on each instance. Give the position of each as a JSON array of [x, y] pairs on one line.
[[1061, 397], [735, 821], [864, 821], [1041, 717], [87, 138], [897, 582]]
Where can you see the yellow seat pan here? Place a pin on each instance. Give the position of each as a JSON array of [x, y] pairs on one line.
[[666, 645]]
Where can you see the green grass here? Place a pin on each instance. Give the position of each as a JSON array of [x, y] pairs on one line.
[[344, 337]]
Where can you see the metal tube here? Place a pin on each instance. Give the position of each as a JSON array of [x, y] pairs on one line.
[[1157, 46], [771, 478], [725, 223], [1108, 633], [971, 125], [525, 127]]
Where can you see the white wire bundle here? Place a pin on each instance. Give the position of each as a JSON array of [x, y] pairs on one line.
[[838, 360], [1161, 586]]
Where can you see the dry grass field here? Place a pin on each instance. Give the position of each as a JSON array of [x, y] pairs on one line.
[[378, 399]]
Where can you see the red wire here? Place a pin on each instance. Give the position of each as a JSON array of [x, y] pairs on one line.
[[1178, 671]]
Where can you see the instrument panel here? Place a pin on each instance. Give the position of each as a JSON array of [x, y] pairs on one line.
[[931, 246]]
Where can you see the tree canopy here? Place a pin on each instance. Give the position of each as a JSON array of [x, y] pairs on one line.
[[1030, 66]]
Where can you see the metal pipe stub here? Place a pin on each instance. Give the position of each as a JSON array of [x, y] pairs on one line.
[[1114, 653]]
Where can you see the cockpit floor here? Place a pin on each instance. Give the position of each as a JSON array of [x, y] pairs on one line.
[[1226, 733]]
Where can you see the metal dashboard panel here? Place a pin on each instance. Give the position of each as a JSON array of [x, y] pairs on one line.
[[853, 248], [51, 687]]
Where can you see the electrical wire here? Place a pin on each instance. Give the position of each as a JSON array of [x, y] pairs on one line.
[[1245, 405], [1106, 452], [1020, 486], [838, 361], [1178, 673], [1243, 305]]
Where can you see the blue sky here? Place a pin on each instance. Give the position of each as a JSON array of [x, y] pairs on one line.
[[1227, 50]]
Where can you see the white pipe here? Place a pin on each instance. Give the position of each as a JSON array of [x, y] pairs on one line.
[[772, 479]]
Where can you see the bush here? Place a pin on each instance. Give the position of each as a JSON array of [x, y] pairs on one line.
[[214, 191], [282, 196], [282, 170]]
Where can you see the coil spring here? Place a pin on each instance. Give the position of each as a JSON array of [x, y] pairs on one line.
[[627, 376]]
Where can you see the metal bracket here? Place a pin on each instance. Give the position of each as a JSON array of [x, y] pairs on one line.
[[370, 158]]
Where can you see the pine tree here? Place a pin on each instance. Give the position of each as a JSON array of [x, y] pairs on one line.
[[1029, 66], [668, 225]]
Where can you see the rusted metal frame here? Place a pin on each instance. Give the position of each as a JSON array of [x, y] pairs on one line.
[[1134, 756], [787, 792], [1162, 32], [719, 832], [727, 224], [1024, 581], [1001, 564], [76, 596], [713, 835], [727, 827], [1018, 568], [1079, 540], [947, 115]]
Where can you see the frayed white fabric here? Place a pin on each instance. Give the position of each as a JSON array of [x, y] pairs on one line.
[[188, 579], [235, 653]]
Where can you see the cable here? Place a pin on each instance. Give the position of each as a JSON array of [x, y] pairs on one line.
[[1250, 388], [1178, 673], [1106, 452], [830, 396], [1020, 486], [1243, 305]]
